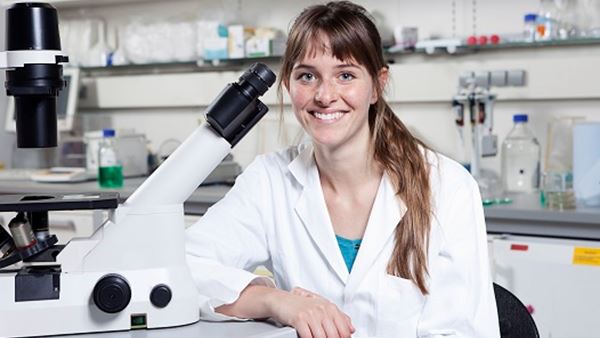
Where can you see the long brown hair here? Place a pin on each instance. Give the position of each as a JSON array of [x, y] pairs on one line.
[[352, 35]]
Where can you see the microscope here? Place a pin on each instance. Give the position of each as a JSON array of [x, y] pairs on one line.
[[474, 94], [131, 272]]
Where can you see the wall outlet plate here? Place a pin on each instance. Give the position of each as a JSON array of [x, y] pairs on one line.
[[516, 77]]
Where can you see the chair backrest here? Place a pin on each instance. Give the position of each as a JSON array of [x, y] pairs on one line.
[[515, 320]]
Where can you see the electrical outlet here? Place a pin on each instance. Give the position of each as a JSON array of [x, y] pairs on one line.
[[515, 78], [482, 79], [498, 78]]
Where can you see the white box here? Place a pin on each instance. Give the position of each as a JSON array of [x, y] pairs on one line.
[[236, 41]]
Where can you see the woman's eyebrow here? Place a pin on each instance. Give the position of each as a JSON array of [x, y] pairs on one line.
[[304, 66], [309, 67], [347, 65]]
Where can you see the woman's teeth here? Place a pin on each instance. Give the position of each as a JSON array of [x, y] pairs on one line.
[[332, 116]]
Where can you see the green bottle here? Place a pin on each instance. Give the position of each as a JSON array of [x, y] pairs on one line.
[[110, 170]]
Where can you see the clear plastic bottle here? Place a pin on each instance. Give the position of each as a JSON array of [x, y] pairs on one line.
[[547, 21], [520, 158], [529, 21], [110, 170]]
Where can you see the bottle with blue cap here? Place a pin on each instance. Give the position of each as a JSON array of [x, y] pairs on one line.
[[110, 170], [520, 158]]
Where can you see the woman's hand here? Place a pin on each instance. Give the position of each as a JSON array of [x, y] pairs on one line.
[[310, 314]]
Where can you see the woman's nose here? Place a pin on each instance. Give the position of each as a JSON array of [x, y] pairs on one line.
[[326, 93]]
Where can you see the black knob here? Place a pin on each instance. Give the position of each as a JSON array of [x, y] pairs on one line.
[[112, 293], [160, 295]]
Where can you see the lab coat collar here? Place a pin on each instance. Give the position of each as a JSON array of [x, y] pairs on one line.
[[387, 211], [385, 215], [312, 210], [300, 166]]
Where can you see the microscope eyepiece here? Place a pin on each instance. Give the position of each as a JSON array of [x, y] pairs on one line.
[[259, 76], [237, 108], [256, 81]]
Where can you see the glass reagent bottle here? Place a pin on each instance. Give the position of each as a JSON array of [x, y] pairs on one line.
[[520, 158], [110, 170]]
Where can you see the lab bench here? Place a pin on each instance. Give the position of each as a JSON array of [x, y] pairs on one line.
[[524, 216], [550, 238], [201, 199], [201, 329]]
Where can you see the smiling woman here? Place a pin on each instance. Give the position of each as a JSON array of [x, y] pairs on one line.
[[367, 231]]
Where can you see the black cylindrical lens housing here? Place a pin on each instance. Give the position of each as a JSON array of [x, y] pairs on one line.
[[36, 121], [32, 26], [237, 108], [35, 88], [256, 80]]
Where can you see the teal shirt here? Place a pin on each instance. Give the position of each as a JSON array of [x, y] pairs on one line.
[[349, 249]]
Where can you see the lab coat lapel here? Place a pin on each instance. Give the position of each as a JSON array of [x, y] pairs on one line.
[[312, 210], [385, 215]]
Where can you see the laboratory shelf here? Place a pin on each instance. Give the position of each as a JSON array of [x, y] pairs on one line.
[[390, 54], [512, 45], [179, 67]]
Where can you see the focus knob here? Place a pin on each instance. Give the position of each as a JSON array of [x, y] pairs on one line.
[[160, 296], [112, 293]]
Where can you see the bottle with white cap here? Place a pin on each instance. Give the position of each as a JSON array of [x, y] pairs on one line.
[[520, 158], [110, 170]]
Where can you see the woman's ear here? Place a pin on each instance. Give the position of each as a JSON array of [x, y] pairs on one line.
[[382, 80], [286, 85]]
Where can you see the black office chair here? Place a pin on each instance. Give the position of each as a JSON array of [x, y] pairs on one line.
[[515, 320]]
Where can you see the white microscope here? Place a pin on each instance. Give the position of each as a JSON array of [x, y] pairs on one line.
[[131, 273]]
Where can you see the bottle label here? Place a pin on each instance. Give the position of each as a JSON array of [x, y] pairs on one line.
[[108, 158]]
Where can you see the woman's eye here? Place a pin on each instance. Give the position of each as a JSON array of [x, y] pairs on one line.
[[306, 77], [346, 76]]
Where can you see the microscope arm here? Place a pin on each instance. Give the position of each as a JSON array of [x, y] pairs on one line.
[[177, 178], [233, 113]]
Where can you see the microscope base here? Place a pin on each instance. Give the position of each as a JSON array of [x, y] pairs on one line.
[[75, 312]]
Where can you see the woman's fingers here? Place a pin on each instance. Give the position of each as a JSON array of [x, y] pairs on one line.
[[343, 325], [312, 315], [303, 330]]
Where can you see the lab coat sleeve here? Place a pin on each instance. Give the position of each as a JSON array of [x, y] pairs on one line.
[[461, 302], [228, 242]]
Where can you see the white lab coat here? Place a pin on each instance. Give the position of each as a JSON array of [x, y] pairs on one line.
[[275, 215]]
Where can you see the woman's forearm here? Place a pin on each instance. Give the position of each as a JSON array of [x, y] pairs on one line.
[[255, 302]]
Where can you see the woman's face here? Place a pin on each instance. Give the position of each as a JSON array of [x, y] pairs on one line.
[[331, 99]]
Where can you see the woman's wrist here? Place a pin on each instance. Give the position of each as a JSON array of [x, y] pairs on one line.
[[255, 301], [272, 298]]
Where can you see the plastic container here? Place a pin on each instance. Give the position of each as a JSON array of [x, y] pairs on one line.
[[520, 158], [110, 170], [557, 191], [529, 30], [547, 21]]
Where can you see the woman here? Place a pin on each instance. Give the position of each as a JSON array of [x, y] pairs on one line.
[[367, 232]]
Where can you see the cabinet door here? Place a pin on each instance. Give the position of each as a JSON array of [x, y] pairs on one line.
[[559, 280]]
